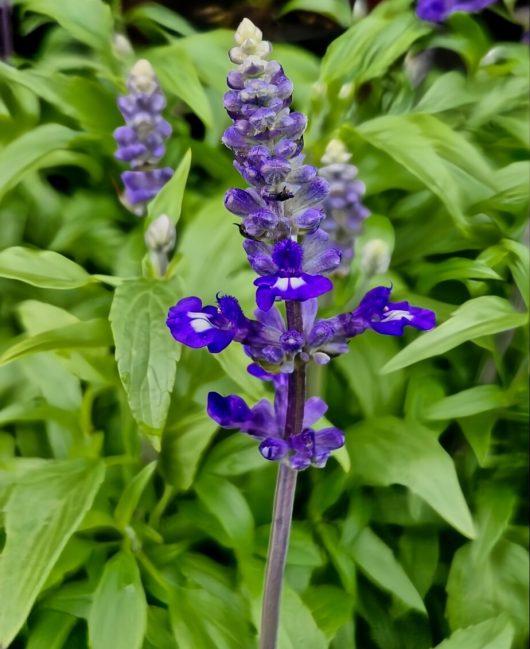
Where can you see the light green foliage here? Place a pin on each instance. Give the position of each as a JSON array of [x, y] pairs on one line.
[[128, 518], [118, 615], [43, 509]]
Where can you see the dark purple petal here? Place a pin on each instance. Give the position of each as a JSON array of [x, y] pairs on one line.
[[228, 412], [328, 439]]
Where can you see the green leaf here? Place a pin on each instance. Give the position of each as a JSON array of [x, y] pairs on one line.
[[45, 507], [519, 263], [478, 589], [419, 555], [379, 564], [481, 316], [152, 12], [50, 630], [27, 151], [89, 21], [472, 401], [370, 47], [118, 616], [145, 351], [496, 633], [168, 201], [442, 159], [222, 499], [338, 10], [331, 608], [182, 447], [42, 268], [89, 333], [455, 268], [185, 85], [131, 495], [449, 91], [297, 626], [390, 451]]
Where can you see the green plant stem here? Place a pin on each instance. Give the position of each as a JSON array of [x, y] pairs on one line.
[[283, 499]]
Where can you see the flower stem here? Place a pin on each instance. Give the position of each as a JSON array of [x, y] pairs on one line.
[[283, 498]]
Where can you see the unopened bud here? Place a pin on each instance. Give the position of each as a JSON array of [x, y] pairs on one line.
[[375, 258], [161, 235], [336, 153], [121, 46], [249, 39], [142, 78]]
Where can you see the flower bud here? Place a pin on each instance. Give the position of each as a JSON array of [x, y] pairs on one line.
[[375, 258], [161, 235]]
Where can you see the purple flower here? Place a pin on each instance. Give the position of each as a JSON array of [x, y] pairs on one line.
[[288, 281], [376, 312], [141, 142], [437, 11], [266, 422], [213, 327]]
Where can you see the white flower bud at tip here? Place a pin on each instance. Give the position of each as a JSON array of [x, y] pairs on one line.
[[161, 235], [249, 39], [375, 258], [121, 46], [142, 77], [336, 153]]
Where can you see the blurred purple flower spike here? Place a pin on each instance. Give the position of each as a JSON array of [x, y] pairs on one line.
[[436, 11]]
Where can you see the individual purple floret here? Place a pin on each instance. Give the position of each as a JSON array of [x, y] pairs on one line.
[[286, 195], [344, 209], [141, 140], [436, 11], [266, 423]]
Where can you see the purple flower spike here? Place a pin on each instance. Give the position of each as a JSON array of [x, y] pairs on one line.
[[289, 282], [141, 142], [314, 447], [436, 11]]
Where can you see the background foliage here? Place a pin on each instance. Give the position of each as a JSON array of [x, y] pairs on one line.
[[128, 519]]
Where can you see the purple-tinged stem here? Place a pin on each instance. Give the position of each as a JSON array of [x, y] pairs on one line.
[[282, 513]]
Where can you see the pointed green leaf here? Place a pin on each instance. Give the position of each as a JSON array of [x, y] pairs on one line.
[[380, 565], [481, 316], [44, 508], [168, 201], [89, 333], [390, 451], [496, 633], [473, 401], [145, 350], [25, 153], [118, 616], [42, 268]]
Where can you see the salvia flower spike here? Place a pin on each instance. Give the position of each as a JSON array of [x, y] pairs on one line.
[[345, 211], [141, 142], [281, 213]]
